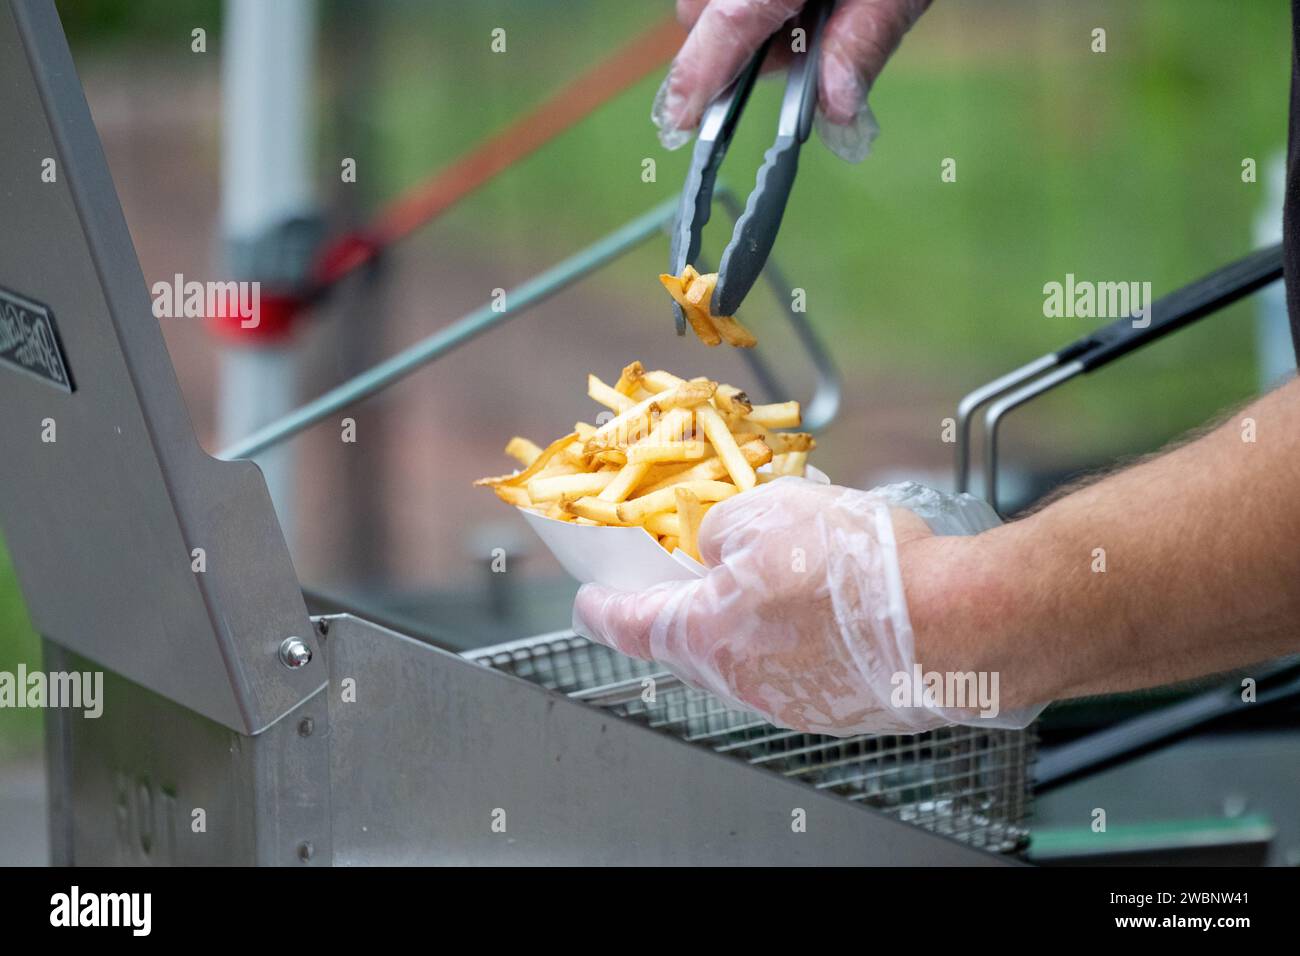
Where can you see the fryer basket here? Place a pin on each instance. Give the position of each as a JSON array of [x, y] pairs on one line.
[[967, 783]]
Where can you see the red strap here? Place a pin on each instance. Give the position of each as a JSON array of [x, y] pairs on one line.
[[426, 201], [422, 203], [270, 324]]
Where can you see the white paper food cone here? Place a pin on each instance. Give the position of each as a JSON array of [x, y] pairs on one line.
[[629, 559]]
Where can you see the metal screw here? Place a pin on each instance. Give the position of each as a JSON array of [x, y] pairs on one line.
[[294, 653]]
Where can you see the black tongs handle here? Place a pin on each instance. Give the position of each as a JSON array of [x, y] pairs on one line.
[[755, 232]]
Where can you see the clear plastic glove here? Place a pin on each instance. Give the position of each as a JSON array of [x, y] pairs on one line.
[[725, 34], [801, 617]]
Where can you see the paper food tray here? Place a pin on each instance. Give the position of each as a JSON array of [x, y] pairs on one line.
[[629, 559]]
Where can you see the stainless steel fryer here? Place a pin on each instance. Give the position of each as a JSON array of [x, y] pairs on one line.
[[966, 783]]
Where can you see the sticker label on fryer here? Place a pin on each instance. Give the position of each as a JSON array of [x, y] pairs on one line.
[[29, 341]]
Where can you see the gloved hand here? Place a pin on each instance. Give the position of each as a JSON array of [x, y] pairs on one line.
[[801, 617], [725, 34]]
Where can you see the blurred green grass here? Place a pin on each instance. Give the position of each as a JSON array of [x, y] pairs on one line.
[[19, 729], [1115, 166]]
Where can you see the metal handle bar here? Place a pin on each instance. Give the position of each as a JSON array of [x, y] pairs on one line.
[[1142, 734], [624, 691], [1104, 345]]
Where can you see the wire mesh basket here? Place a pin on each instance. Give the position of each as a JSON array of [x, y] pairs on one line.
[[964, 782]]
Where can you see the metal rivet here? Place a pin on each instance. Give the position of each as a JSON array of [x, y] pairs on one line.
[[294, 653], [305, 851], [306, 726]]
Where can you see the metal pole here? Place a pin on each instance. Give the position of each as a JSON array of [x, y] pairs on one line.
[[530, 293], [266, 182]]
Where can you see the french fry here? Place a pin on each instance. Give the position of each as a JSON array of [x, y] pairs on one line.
[[790, 463], [686, 395], [629, 381], [700, 294], [784, 442], [664, 523], [522, 450], [575, 453], [756, 451], [603, 512], [636, 510], [702, 325], [674, 447], [673, 425], [699, 289], [780, 415], [733, 333], [652, 452], [660, 381], [575, 457], [623, 429], [621, 488], [715, 429], [551, 489], [712, 469], [512, 495], [558, 466], [690, 513], [549, 452], [732, 400], [694, 293], [607, 395], [556, 512], [697, 317], [637, 421], [664, 476]]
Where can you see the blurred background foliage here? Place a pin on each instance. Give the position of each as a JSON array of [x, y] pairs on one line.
[[1116, 166]]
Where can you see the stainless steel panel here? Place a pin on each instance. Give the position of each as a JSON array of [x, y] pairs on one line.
[[435, 748], [101, 522], [126, 788], [968, 783]]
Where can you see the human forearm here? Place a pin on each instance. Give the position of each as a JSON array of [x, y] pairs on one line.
[[1201, 550]]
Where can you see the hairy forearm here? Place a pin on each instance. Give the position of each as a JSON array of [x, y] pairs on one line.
[[1183, 565]]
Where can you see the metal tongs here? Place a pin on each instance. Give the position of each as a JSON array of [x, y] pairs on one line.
[[755, 231]]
